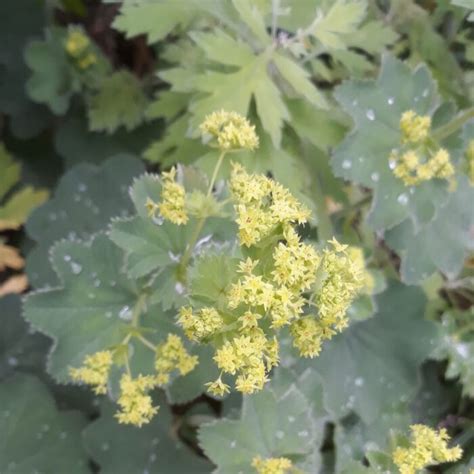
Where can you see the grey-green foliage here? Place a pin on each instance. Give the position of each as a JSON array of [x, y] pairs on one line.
[[36, 437]]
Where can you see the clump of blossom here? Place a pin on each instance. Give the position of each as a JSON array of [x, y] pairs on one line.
[[415, 128], [136, 405], [272, 465], [419, 160], [261, 204], [230, 130], [427, 447], [95, 371], [200, 325], [172, 206], [173, 355], [78, 46]]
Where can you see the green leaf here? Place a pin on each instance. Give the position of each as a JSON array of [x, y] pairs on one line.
[[17, 209], [52, 81], [153, 448], [11, 171], [373, 37], [373, 365], [299, 79], [343, 17], [84, 201], [270, 426], [35, 435], [156, 19], [363, 157], [91, 309], [252, 17], [119, 101], [443, 244], [19, 348]]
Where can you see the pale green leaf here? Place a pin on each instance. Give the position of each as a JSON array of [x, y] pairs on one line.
[[343, 17], [299, 79], [252, 17], [155, 19], [36, 437], [119, 101], [373, 37]]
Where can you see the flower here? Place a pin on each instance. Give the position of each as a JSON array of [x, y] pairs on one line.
[[414, 128], [271, 465], [427, 447], [173, 355], [136, 406], [231, 130], [218, 387], [198, 326], [95, 371], [76, 42], [173, 197]]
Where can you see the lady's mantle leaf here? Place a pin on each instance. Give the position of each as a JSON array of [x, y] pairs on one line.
[[363, 157], [270, 426], [373, 365], [120, 449], [36, 437], [90, 310]]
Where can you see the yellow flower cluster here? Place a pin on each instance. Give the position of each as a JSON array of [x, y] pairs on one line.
[[357, 257], [470, 161], [198, 326], [340, 280], [415, 128], [412, 171], [427, 447], [272, 465], [419, 161], [251, 357], [173, 355], [173, 200], [262, 204], [136, 406], [78, 47], [231, 131], [95, 371]]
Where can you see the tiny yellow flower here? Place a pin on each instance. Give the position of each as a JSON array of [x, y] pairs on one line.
[[218, 387], [198, 326], [414, 128], [173, 199], [136, 406], [428, 447], [231, 130], [272, 465], [95, 371], [76, 42], [172, 355]]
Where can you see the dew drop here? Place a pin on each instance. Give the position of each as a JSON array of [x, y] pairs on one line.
[[63, 435], [108, 314], [12, 361], [72, 235], [391, 101], [125, 313], [402, 199], [158, 220], [346, 164], [45, 428], [105, 446], [67, 258], [76, 268], [91, 296], [233, 444], [370, 114], [374, 176], [113, 283], [53, 216], [425, 93], [462, 349], [97, 283], [153, 457], [77, 198], [179, 288], [82, 188], [392, 164], [359, 381], [355, 103], [291, 419], [279, 434], [303, 434], [173, 257]]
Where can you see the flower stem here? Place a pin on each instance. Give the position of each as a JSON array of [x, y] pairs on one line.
[[325, 229], [448, 129], [199, 225], [146, 342]]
